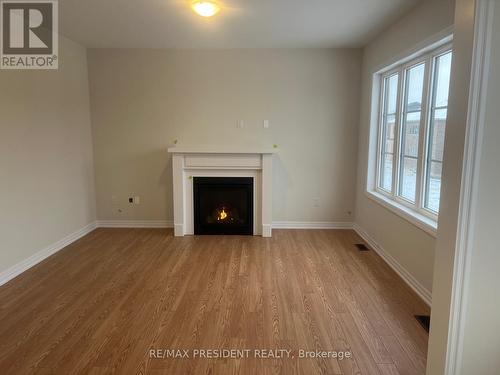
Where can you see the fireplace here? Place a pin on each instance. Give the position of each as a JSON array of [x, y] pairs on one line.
[[191, 163], [223, 205]]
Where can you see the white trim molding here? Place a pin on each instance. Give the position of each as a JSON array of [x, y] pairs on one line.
[[312, 225], [275, 224], [483, 26], [135, 223], [407, 277], [46, 252]]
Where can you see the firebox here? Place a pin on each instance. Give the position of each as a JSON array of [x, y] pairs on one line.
[[223, 205]]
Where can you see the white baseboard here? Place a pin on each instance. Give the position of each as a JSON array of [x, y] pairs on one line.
[[135, 223], [276, 224], [36, 258], [311, 225], [407, 277]]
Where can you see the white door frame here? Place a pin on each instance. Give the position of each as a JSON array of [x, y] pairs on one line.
[[483, 26]]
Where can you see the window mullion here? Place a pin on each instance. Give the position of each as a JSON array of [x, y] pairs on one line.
[[430, 128], [397, 136], [423, 133], [380, 149]]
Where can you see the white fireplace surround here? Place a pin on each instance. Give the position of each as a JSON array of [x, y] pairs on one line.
[[189, 162]]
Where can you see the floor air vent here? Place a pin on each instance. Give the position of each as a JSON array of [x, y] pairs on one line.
[[424, 320], [361, 247]]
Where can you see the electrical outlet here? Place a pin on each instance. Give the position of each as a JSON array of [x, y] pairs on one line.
[[137, 199], [266, 124], [241, 124]]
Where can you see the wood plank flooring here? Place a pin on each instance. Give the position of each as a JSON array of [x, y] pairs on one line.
[[101, 304]]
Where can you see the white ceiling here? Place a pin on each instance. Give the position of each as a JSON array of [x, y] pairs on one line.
[[240, 24]]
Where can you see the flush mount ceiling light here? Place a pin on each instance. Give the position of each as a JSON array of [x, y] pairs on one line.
[[205, 8]]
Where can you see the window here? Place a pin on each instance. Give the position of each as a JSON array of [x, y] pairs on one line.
[[411, 129]]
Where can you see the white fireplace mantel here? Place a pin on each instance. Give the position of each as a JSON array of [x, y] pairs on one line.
[[189, 162]]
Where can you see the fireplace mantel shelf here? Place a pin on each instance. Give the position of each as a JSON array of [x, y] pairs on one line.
[[218, 150]]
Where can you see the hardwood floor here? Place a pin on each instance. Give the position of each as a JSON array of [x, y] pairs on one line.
[[101, 304]]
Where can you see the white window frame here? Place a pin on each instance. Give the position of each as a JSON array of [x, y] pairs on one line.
[[415, 212]]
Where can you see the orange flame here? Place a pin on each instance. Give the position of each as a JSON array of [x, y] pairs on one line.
[[222, 214]]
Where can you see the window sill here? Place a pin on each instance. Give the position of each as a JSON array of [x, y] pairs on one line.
[[423, 222]]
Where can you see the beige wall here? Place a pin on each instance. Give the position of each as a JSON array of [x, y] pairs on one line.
[[142, 100], [409, 245], [46, 167]]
